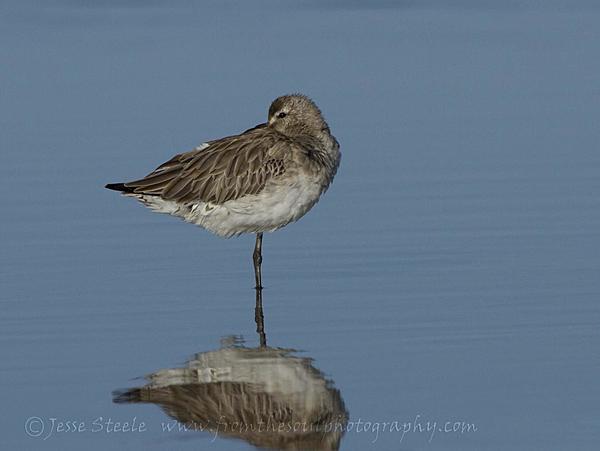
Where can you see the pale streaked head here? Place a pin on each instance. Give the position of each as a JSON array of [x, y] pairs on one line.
[[296, 114]]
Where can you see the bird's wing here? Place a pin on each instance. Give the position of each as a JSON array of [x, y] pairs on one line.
[[223, 170]]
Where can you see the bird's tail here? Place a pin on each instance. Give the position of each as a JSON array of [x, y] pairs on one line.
[[125, 396], [119, 187]]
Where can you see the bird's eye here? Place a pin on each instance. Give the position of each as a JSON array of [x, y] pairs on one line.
[[281, 115]]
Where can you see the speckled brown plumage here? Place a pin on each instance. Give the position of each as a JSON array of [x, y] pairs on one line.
[[227, 169], [254, 182]]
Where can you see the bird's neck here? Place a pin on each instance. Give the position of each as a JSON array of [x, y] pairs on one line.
[[325, 153]]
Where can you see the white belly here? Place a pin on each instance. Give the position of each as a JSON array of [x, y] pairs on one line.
[[271, 209]]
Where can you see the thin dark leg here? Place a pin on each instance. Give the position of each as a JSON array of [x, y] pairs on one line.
[[257, 258], [260, 319], [258, 311]]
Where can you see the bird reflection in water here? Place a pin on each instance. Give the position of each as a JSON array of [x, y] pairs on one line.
[[267, 396]]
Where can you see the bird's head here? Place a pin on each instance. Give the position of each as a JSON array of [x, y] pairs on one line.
[[295, 115]]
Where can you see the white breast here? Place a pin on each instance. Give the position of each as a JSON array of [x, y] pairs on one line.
[[271, 209], [274, 207]]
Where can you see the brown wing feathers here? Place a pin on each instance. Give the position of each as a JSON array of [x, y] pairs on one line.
[[227, 169]]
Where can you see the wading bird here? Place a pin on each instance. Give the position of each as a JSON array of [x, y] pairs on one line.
[[254, 182]]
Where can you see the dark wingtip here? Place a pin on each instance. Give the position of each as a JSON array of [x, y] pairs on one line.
[[119, 187], [126, 396]]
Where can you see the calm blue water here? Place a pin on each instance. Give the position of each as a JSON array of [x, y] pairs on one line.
[[451, 274]]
